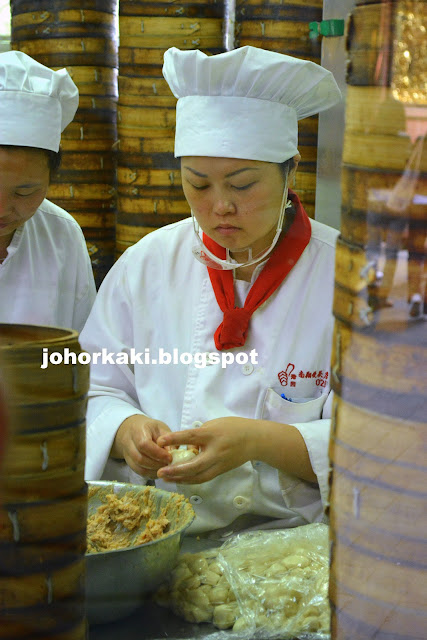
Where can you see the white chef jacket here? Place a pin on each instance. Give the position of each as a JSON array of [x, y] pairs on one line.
[[157, 296], [46, 278]]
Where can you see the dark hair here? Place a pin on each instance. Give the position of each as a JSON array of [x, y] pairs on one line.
[[286, 166], [53, 157]]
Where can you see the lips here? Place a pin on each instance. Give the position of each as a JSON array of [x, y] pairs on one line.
[[226, 229]]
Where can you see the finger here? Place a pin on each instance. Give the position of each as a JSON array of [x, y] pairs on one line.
[[199, 478], [141, 460], [151, 451], [140, 469], [188, 472], [188, 436]]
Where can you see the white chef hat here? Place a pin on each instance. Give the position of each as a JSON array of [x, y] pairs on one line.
[[36, 103], [244, 103]]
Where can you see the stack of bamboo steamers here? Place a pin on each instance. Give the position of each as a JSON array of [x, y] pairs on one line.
[[43, 496], [284, 27], [81, 36], [379, 477], [149, 183]]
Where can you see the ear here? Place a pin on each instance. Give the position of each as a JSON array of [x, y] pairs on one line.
[[293, 171], [296, 159]]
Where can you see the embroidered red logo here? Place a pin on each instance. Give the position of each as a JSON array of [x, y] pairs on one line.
[[288, 377], [284, 376]]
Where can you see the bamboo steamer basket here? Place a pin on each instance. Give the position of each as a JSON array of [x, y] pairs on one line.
[[94, 81], [376, 131], [378, 367], [44, 497], [377, 496], [60, 23], [128, 235], [278, 26], [17, 629], [284, 27], [149, 193], [195, 9], [24, 6], [369, 44], [84, 40], [69, 51]]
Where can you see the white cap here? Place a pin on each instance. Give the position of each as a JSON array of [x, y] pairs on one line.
[[244, 103], [36, 103]]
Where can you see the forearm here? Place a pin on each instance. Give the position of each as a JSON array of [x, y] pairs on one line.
[[283, 447]]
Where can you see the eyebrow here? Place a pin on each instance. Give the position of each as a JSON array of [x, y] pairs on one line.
[[229, 175]]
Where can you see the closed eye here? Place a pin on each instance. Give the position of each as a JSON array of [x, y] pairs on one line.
[[246, 186], [204, 186]]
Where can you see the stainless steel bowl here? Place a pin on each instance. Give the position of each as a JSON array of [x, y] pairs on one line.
[[116, 581]]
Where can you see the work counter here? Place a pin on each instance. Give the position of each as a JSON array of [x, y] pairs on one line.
[[152, 622]]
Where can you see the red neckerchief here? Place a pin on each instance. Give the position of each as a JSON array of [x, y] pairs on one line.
[[232, 331]]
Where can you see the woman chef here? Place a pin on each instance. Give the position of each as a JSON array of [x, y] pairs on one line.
[[45, 272], [259, 292]]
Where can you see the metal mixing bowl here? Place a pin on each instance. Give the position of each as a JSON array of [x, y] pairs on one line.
[[116, 581]]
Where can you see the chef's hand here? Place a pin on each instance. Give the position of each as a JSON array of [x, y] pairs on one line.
[[136, 443], [224, 444]]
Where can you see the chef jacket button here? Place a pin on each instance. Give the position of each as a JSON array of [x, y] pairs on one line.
[[196, 423], [247, 368], [196, 499], [240, 502]]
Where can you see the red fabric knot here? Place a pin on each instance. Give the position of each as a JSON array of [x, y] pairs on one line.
[[233, 329], [232, 332]]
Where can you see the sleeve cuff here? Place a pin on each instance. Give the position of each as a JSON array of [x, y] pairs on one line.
[[316, 437]]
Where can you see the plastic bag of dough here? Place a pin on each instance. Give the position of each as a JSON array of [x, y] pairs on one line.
[[280, 579], [266, 584]]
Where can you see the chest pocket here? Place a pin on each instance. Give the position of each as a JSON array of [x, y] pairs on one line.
[[278, 409]]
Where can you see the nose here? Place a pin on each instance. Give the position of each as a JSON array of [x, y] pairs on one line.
[[223, 204]]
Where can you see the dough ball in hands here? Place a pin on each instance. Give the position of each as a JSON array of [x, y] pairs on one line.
[[183, 454]]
